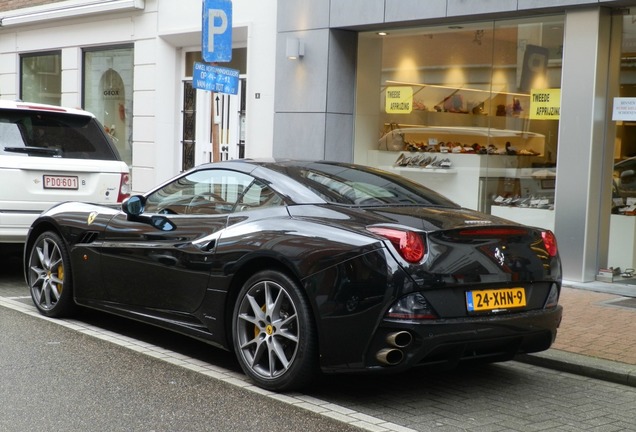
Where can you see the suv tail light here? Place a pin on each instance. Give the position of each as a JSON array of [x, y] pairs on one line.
[[408, 243], [124, 187]]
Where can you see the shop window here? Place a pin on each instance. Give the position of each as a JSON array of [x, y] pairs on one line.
[[470, 110], [622, 230], [41, 78], [108, 93], [624, 182]]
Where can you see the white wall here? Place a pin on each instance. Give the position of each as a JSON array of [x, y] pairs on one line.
[[160, 32]]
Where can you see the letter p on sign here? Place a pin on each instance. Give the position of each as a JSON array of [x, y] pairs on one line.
[[213, 28], [217, 31]]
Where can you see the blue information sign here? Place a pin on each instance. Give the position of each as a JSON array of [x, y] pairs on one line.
[[214, 78], [216, 44]]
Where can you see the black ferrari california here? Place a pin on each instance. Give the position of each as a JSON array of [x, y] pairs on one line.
[[305, 267]]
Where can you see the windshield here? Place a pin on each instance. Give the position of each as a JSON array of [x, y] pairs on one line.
[[363, 186], [53, 134]]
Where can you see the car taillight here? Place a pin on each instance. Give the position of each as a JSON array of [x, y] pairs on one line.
[[124, 187], [408, 243], [549, 240]]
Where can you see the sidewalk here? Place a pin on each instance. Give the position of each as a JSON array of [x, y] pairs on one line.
[[597, 337]]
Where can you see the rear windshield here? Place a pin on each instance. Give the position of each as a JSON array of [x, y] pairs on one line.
[[364, 186], [53, 134]]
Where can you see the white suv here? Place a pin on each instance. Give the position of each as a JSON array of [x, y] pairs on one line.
[[50, 154]]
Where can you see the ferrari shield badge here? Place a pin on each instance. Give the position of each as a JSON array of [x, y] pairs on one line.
[[499, 256], [91, 217]]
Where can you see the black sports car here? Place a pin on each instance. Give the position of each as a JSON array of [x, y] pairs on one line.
[[302, 267]]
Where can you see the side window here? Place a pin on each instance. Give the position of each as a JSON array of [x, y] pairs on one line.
[[204, 192], [10, 138], [258, 196]]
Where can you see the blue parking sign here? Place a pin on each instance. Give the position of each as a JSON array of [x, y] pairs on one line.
[[216, 44]]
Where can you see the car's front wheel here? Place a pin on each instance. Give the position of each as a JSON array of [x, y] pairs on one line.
[[49, 276], [273, 333]]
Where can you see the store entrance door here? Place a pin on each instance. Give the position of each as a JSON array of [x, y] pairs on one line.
[[213, 126], [229, 124], [213, 123]]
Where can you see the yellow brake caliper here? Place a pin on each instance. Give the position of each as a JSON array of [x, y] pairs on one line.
[[60, 275], [257, 330]]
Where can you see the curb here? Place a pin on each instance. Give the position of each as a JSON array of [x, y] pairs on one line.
[[592, 367]]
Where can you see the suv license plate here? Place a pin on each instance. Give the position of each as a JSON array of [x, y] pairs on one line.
[[60, 182], [486, 300]]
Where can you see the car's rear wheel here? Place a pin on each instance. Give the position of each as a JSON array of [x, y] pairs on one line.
[[49, 276], [273, 333]]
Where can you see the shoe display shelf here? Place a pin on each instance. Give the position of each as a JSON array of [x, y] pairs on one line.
[[480, 163], [472, 179]]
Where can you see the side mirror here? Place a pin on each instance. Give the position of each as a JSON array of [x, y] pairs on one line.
[[134, 208], [134, 205]]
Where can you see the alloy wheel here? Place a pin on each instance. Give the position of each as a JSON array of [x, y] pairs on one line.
[[48, 276], [267, 329]]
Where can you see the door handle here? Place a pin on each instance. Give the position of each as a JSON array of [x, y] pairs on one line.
[[165, 259]]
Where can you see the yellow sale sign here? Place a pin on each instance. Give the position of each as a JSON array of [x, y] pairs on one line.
[[545, 104], [399, 100]]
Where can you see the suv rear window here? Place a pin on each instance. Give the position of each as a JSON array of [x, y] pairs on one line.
[[53, 134]]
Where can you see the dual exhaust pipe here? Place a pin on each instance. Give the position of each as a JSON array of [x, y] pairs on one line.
[[393, 354]]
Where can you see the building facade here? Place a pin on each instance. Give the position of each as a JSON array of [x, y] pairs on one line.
[[512, 107], [130, 62], [520, 94]]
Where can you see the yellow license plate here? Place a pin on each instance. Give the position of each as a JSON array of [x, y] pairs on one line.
[[487, 300]]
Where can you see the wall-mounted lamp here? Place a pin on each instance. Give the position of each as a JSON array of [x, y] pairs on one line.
[[295, 49]]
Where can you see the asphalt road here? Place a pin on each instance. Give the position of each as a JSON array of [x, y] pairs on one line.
[[79, 375], [53, 378], [56, 379]]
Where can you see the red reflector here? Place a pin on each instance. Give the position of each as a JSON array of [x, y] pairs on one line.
[[549, 240], [494, 231], [408, 243]]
